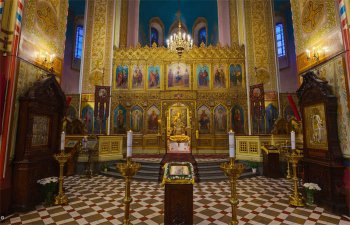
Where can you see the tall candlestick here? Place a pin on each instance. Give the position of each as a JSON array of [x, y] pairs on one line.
[[231, 141], [63, 138], [129, 144], [292, 139]]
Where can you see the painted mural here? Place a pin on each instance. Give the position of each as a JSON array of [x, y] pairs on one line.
[[203, 76], [237, 119], [121, 77], [119, 120], [220, 119], [179, 75], [136, 119], [153, 77], [236, 75], [71, 113], [138, 74], [153, 116], [204, 115]]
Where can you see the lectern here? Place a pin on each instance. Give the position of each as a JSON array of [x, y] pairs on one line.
[[178, 201]]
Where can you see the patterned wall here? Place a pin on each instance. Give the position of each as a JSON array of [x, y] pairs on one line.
[[260, 48], [98, 44]]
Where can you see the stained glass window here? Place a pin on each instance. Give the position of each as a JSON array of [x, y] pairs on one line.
[[79, 37], [202, 36], [154, 36], [281, 46]]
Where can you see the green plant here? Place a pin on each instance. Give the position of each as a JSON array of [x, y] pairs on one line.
[[104, 167], [253, 164], [49, 187]]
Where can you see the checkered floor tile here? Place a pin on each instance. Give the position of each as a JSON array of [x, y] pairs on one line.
[[99, 201]]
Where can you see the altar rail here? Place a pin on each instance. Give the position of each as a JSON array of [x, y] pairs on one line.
[[249, 147]]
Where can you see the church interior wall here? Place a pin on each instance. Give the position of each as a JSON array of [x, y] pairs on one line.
[[325, 33], [71, 65], [287, 64], [190, 11]]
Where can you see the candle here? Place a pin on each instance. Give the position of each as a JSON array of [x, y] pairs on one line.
[[292, 139], [231, 141], [63, 138], [129, 144], [84, 142]]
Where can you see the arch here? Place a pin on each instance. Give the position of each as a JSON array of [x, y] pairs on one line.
[[199, 26], [156, 26]]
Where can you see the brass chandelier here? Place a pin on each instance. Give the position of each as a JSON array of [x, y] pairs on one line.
[[180, 41]]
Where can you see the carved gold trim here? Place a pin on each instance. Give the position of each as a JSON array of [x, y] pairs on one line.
[[233, 22], [124, 24]]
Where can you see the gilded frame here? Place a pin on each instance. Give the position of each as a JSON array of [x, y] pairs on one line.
[[316, 126], [172, 110], [243, 76], [196, 80], [114, 77], [161, 80], [190, 75], [214, 88], [227, 120], [131, 76]]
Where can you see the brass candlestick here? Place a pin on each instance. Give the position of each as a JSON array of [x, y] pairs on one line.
[[233, 171], [295, 198], [127, 170], [288, 171], [61, 198]]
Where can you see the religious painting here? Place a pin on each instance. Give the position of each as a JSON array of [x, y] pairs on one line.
[[288, 113], [236, 75], [153, 77], [237, 119], [119, 120], [178, 120], [271, 115], [121, 77], [257, 105], [41, 128], [179, 170], [71, 113], [136, 119], [138, 72], [315, 126], [203, 76], [87, 115], [178, 147], [203, 120], [179, 76], [220, 119], [219, 76], [153, 119]]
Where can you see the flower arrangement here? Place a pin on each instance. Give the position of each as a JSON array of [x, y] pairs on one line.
[[312, 186], [48, 188]]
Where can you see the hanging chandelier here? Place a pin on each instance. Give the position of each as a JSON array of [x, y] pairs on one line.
[[180, 41]]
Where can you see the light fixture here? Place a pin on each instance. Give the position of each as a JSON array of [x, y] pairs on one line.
[[316, 53], [180, 41], [45, 59]]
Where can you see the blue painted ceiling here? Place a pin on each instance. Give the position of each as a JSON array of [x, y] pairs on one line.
[[166, 10]]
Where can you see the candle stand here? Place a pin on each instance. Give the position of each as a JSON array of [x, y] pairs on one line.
[[61, 198], [233, 171], [295, 198], [127, 170]]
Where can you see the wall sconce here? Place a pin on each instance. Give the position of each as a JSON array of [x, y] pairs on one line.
[[45, 59], [316, 53]]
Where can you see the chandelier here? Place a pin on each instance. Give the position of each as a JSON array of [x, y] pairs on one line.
[[180, 41]]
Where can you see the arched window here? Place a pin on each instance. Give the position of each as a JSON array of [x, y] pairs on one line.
[[79, 37], [280, 41], [156, 32], [202, 36], [154, 36], [200, 31]]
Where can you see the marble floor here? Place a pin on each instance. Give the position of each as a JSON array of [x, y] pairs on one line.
[[99, 201]]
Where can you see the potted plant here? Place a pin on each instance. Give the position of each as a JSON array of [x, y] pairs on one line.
[[104, 167], [254, 166], [49, 187], [310, 189]]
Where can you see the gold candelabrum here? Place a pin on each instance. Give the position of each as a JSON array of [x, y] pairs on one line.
[[127, 170], [61, 198], [233, 171], [295, 198]]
